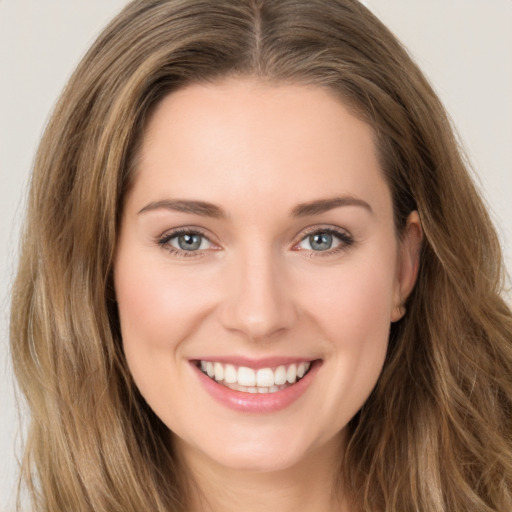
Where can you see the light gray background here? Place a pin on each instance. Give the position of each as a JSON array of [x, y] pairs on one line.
[[464, 46]]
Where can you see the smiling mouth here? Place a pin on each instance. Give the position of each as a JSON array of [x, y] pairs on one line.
[[249, 380]]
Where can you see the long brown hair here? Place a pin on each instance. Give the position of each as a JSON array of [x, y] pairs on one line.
[[436, 433]]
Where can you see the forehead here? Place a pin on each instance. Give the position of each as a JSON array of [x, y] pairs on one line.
[[242, 138]]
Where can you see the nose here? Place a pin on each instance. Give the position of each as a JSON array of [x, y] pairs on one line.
[[259, 302]]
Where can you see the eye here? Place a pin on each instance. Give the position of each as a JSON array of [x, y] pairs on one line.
[[189, 242], [319, 242], [325, 240], [185, 242]]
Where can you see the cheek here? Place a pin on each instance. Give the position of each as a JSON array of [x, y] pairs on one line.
[[159, 307], [157, 304], [356, 298], [352, 306]]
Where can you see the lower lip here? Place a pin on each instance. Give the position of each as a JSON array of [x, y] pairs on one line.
[[257, 402]]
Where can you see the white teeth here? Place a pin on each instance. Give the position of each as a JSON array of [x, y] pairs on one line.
[[230, 374], [263, 380], [280, 376], [246, 376], [291, 374], [251, 389], [219, 371]]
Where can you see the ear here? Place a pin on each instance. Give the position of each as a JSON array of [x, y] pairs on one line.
[[408, 264]]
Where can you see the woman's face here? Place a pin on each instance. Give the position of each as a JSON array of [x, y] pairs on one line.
[[257, 245]]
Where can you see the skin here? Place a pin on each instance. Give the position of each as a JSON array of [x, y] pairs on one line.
[[255, 287]]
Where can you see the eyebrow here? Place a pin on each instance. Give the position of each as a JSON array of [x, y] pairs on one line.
[[195, 207], [324, 205], [205, 209]]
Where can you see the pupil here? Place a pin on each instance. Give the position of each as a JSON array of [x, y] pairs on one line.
[[320, 241], [189, 242]]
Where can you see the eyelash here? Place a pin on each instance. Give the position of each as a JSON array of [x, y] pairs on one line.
[[346, 241], [164, 242]]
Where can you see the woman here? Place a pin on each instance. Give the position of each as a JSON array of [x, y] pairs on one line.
[[256, 273]]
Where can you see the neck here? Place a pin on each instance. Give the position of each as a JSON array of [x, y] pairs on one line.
[[310, 485]]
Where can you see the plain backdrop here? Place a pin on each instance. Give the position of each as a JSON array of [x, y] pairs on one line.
[[463, 46]]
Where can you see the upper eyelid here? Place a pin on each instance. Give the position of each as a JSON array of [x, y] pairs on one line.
[[322, 229], [171, 233]]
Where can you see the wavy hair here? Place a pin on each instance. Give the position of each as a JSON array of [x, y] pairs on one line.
[[435, 434]]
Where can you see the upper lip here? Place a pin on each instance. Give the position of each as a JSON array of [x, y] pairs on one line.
[[256, 363]]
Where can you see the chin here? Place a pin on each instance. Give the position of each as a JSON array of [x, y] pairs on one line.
[[255, 451], [262, 461]]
